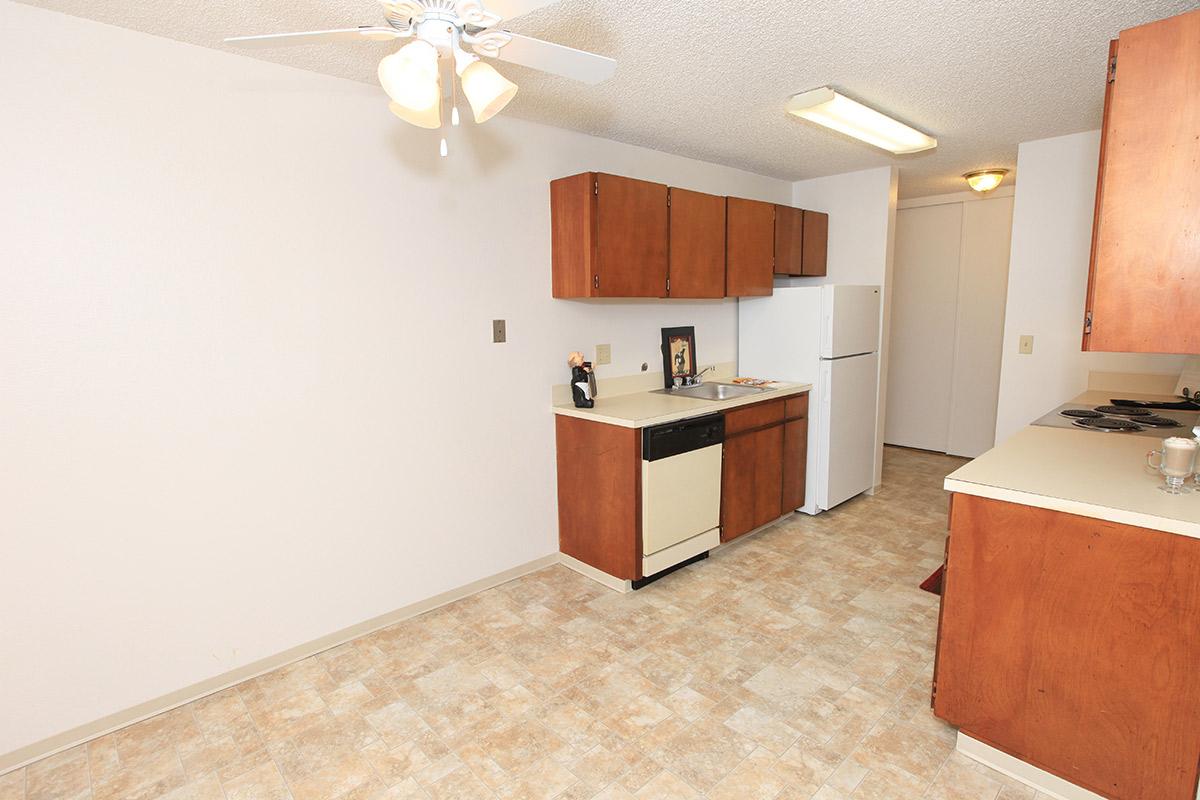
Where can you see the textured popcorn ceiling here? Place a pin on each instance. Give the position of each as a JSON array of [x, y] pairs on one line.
[[710, 80]]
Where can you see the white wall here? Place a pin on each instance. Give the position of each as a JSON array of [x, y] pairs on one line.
[[950, 282], [1047, 282], [862, 223], [248, 395]]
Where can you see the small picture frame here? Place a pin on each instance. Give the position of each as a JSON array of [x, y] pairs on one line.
[[679, 354]]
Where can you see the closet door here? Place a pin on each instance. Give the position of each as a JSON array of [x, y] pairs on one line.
[[979, 332], [924, 302]]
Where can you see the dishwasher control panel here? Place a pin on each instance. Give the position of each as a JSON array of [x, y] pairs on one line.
[[684, 436]]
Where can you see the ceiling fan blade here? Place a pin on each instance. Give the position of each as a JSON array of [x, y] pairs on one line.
[[557, 59], [507, 9], [363, 33]]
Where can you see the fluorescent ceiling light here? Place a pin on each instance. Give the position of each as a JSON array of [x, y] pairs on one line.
[[826, 107]]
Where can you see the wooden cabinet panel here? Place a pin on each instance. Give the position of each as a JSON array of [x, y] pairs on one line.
[[795, 464], [749, 247], [753, 416], [1071, 643], [572, 235], [596, 460], [789, 240], [751, 480], [608, 236], [697, 245], [737, 487], [816, 243], [768, 474], [1144, 284], [631, 237], [796, 406]]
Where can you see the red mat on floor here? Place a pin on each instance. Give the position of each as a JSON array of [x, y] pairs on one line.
[[934, 582]]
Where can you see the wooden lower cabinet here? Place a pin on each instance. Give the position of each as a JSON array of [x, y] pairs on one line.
[[1073, 644], [795, 464], [600, 495], [766, 454], [600, 480]]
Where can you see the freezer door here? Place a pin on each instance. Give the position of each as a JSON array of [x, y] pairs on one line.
[[850, 320], [779, 337], [846, 438]]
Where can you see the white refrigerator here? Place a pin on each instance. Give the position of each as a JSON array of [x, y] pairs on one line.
[[827, 336]]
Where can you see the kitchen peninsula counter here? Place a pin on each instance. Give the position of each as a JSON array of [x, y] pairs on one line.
[[1069, 634]]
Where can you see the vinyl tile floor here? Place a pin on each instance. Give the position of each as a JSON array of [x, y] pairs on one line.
[[792, 665]]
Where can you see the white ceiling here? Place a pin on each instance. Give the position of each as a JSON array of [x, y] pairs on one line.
[[709, 80]]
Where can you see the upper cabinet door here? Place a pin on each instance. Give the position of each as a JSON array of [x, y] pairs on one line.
[[697, 258], [1144, 284], [749, 247], [631, 238], [816, 243], [789, 240]]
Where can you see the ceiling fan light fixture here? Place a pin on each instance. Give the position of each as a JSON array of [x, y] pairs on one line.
[[826, 107], [426, 118], [984, 180], [410, 78], [487, 90]]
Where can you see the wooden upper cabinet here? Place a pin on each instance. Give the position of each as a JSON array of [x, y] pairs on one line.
[[1144, 283], [749, 247], [608, 236], [697, 245], [789, 240], [816, 243]]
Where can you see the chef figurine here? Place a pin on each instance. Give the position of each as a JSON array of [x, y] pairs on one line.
[[581, 384]]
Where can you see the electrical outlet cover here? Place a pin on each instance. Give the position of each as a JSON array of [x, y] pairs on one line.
[[603, 354], [499, 331]]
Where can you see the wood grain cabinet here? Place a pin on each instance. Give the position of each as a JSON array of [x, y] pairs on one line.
[[749, 247], [1071, 643], [609, 236], [801, 241], [697, 244], [763, 474], [762, 478], [1144, 284]]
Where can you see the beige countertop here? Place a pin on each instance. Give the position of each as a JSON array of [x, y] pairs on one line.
[[1098, 475], [640, 409]]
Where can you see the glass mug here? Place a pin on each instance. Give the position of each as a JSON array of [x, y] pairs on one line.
[[1176, 463]]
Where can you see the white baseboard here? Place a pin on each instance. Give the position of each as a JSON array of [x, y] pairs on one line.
[[599, 576], [1013, 767], [91, 730]]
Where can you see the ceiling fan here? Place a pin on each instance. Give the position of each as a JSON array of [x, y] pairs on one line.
[[454, 34]]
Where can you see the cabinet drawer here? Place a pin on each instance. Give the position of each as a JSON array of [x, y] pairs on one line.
[[796, 407], [755, 416]]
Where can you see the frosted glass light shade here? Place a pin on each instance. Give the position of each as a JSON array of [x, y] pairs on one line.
[[410, 78], [826, 107], [486, 89], [426, 118], [985, 180]]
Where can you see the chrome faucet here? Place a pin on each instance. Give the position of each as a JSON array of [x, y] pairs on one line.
[[696, 381]]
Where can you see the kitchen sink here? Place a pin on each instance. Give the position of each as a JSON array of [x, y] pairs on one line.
[[714, 391]]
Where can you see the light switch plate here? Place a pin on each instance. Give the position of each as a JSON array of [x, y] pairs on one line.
[[603, 354], [1026, 346], [499, 331]]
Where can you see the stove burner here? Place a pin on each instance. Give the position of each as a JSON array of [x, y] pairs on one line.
[[1155, 421], [1124, 411], [1081, 413], [1107, 424]]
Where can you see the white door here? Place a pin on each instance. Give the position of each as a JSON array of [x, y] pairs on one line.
[[924, 307], [846, 449], [979, 331], [851, 320]]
